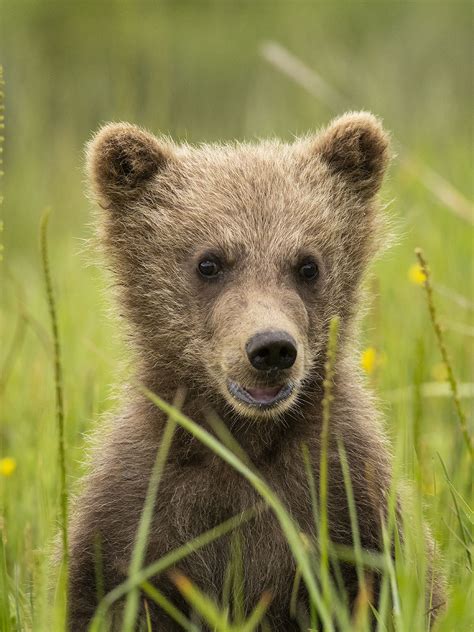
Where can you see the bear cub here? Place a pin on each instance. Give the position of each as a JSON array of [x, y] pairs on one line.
[[230, 262]]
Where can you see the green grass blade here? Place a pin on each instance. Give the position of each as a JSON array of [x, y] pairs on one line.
[[167, 562], [138, 554], [382, 614], [165, 604], [286, 522], [391, 575], [368, 559], [462, 529], [147, 614], [444, 353], [238, 579], [227, 438], [294, 592], [5, 616], [311, 484], [59, 390], [258, 613], [352, 514], [202, 604], [323, 538]]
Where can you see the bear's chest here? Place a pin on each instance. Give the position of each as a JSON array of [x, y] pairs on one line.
[[258, 548], [198, 498]]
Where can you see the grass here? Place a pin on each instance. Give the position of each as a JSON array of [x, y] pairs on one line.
[[206, 75], [58, 382], [323, 527], [131, 605], [444, 352]]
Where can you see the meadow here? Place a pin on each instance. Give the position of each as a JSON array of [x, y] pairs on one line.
[[216, 71]]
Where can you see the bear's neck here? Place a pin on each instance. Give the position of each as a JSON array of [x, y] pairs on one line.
[[259, 438]]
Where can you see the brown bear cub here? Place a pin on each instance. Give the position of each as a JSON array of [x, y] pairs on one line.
[[230, 261]]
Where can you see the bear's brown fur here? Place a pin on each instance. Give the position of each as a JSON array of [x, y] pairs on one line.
[[258, 213]]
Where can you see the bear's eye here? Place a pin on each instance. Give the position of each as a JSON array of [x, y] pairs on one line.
[[209, 268], [309, 270]]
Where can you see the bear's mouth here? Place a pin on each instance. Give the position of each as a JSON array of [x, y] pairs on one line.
[[260, 396]]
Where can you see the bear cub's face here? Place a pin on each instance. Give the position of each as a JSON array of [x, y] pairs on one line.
[[232, 259]]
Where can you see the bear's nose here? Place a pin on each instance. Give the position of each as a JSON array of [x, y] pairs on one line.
[[271, 350]]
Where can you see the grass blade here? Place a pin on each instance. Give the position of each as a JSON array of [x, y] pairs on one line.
[[168, 607], [444, 352], [258, 613], [462, 528], [311, 484], [146, 518], [59, 389], [353, 517], [167, 562], [201, 603], [323, 466], [287, 524], [5, 617]]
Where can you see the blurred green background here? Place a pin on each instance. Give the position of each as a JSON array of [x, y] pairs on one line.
[[195, 70]]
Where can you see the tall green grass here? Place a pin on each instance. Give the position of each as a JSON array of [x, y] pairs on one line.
[[444, 353], [395, 609], [139, 550], [62, 584], [197, 72]]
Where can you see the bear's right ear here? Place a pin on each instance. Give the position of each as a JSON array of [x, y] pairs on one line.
[[121, 159], [356, 148]]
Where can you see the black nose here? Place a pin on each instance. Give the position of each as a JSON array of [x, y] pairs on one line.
[[271, 350]]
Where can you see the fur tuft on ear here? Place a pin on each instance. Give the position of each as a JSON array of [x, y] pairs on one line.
[[121, 159], [356, 147]]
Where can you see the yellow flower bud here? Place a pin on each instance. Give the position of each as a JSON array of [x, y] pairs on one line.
[[368, 360], [7, 466], [416, 274]]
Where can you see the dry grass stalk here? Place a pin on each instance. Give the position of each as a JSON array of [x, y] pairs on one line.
[[58, 381], [444, 352]]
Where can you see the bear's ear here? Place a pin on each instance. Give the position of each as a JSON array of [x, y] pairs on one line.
[[121, 159], [356, 147]]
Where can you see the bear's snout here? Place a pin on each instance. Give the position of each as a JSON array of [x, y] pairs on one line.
[[271, 350]]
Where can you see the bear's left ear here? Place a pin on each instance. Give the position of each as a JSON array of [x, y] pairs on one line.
[[121, 159], [355, 147]]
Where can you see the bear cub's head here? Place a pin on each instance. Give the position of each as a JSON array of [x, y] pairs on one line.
[[232, 259]]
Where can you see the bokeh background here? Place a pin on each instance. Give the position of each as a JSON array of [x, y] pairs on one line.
[[201, 72]]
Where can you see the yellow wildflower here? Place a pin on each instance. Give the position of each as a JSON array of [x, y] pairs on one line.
[[416, 274], [7, 466], [368, 360]]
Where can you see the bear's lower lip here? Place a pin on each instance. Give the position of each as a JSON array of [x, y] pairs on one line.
[[261, 396]]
